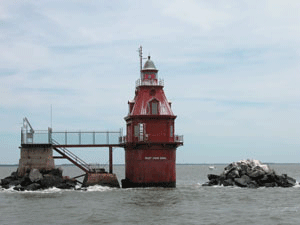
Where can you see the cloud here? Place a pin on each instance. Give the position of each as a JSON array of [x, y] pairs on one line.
[[230, 68], [201, 14]]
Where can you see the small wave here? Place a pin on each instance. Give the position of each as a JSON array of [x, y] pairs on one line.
[[297, 185], [8, 190], [97, 188], [290, 209], [57, 190], [219, 186], [44, 191]]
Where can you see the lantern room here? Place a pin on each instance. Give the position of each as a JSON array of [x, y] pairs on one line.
[[149, 71]]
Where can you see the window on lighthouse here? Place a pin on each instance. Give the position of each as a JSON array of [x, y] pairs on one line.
[[149, 76], [153, 107]]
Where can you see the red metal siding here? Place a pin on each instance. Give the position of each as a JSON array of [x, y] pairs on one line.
[[144, 94], [150, 166], [157, 129]]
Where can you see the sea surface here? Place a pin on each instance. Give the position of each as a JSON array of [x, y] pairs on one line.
[[188, 203]]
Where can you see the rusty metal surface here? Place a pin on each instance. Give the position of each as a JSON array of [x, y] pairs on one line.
[[87, 146], [103, 179]]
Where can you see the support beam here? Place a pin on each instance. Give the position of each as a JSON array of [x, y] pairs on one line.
[[58, 157], [79, 176], [110, 160]]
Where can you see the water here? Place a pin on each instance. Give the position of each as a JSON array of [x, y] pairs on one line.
[[189, 203]]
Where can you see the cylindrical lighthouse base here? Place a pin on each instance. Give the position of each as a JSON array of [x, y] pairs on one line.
[[153, 166]]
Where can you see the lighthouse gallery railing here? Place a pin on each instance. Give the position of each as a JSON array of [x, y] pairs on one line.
[[140, 82], [177, 139]]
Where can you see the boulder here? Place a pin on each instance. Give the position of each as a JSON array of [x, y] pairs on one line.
[[234, 173], [5, 186], [25, 181], [5, 181], [256, 173], [253, 184], [56, 172], [272, 184], [50, 181], [35, 175], [212, 177], [32, 187], [214, 182], [243, 181], [15, 182], [265, 168], [67, 184], [14, 175], [221, 179], [268, 178], [291, 181], [19, 188], [228, 182]]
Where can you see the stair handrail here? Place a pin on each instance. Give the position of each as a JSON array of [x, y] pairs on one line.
[[78, 160], [72, 155]]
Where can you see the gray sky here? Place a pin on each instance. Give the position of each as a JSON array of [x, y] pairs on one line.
[[231, 69]]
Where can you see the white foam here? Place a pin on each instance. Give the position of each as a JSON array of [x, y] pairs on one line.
[[7, 190], [297, 185], [98, 188], [94, 188], [45, 191]]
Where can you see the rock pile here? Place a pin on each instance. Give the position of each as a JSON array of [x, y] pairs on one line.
[[251, 174], [35, 179]]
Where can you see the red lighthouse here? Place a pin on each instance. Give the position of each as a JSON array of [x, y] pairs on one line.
[[150, 143]]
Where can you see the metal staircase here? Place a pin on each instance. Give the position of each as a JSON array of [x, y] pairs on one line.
[[66, 154]]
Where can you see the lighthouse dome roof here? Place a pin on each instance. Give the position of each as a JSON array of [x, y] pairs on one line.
[[149, 65]]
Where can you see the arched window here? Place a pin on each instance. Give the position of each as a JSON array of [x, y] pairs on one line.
[[154, 107]]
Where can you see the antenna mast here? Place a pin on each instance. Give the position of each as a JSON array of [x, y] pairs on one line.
[[51, 115], [141, 60]]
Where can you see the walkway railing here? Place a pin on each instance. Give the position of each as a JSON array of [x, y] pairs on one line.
[[71, 137]]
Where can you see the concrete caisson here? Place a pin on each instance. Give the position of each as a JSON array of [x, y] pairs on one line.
[[35, 157]]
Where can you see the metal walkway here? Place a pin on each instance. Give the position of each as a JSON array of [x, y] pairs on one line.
[[72, 138], [62, 140]]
